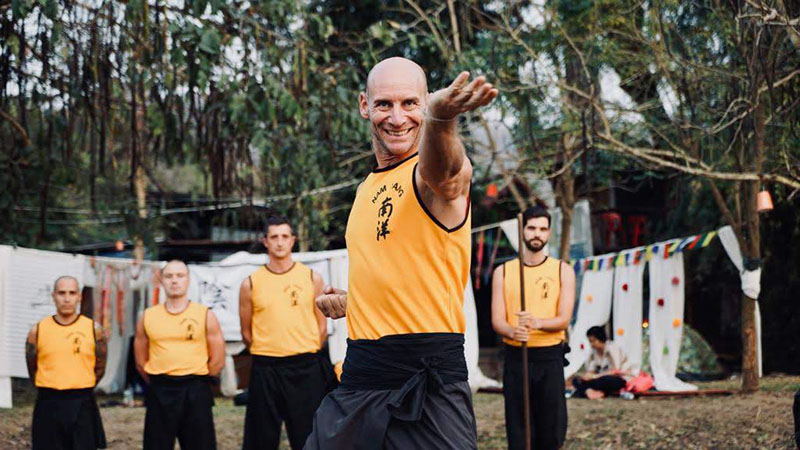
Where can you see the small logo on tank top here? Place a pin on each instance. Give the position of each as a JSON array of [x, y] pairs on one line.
[[384, 200], [293, 292], [189, 329], [75, 340]]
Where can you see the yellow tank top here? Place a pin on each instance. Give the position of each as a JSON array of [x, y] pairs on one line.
[[177, 342], [65, 355], [542, 291], [407, 272], [284, 322]]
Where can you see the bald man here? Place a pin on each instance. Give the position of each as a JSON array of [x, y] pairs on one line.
[[404, 381], [66, 357], [178, 348]]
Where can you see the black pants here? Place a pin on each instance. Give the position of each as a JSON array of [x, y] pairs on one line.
[[66, 420], [547, 401], [179, 407], [609, 384], [285, 389]]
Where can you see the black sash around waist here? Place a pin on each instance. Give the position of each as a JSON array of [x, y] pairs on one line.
[[411, 364], [277, 361], [179, 380], [550, 353], [48, 393]]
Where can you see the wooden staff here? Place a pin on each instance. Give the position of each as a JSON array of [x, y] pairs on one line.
[[526, 389]]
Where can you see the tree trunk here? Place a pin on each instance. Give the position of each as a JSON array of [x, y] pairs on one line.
[[140, 184]]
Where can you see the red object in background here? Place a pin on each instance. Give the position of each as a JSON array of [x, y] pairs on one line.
[[637, 223], [660, 302], [582, 347], [676, 281], [612, 223], [491, 190], [625, 287]]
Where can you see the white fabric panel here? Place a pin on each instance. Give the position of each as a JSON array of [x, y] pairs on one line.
[[337, 329], [119, 342], [627, 311], [594, 308], [219, 290], [751, 281], [511, 230], [476, 378], [5, 393], [666, 321], [28, 284]]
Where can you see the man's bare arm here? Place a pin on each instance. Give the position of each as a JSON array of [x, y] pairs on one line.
[[322, 321], [100, 352], [444, 172], [141, 349], [246, 312], [31, 357], [216, 344]]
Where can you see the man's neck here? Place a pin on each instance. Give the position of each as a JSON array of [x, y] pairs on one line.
[[386, 158], [533, 258], [280, 265], [66, 319], [177, 304]]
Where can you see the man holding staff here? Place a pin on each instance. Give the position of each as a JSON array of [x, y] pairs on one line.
[[66, 357], [404, 382], [549, 298], [178, 347]]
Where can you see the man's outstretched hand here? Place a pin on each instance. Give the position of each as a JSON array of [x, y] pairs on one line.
[[332, 302], [461, 96]]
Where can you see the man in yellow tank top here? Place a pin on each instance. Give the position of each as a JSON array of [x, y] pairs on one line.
[[178, 348], [285, 332], [408, 244], [549, 298], [66, 357]]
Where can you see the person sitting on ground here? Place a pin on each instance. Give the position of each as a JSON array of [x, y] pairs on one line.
[[607, 369]]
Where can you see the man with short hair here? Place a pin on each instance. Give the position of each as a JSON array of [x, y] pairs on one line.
[[404, 381], [284, 331], [178, 348], [608, 369], [549, 299], [66, 357]]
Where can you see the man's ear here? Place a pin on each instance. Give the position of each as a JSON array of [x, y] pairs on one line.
[[363, 105]]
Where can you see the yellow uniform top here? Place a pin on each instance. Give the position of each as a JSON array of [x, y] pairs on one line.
[[407, 272], [284, 322], [65, 355], [542, 292], [177, 342]]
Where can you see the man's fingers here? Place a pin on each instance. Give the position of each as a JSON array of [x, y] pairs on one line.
[[460, 81]]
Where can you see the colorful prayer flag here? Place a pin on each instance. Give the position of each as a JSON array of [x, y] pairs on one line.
[[684, 243], [708, 238], [648, 252], [694, 242]]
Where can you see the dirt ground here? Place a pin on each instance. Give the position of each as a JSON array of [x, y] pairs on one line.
[[759, 421]]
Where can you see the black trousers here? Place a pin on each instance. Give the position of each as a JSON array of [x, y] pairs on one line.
[[287, 389], [179, 407], [547, 401], [609, 384], [66, 420]]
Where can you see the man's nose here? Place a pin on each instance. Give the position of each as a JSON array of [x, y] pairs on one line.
[[397, 117]]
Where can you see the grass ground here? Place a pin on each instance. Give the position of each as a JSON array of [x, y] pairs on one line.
[[756, 421]]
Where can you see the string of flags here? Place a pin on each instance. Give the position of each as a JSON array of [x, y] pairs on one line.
[[636, 255]]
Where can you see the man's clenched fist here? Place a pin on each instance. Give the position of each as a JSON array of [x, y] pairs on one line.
[[332, 302]]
